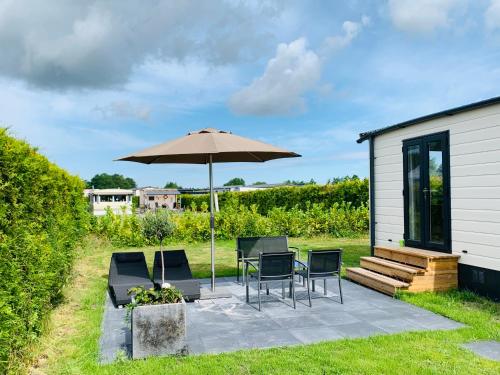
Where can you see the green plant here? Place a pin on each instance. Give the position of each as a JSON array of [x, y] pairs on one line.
[[353, 190], [135, 202], [43, 217], [158, 224], [152, 296]]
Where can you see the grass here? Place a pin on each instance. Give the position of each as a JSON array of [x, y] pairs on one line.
[[71, 343]]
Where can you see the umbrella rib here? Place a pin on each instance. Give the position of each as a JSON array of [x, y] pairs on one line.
[[155, 159], [255, 156]]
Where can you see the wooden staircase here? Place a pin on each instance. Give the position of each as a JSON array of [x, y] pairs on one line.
[[405, 268]]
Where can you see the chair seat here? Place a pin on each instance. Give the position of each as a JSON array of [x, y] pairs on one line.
[[303, 273]]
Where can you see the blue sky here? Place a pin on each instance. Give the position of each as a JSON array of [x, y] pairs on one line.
[[87, 82]]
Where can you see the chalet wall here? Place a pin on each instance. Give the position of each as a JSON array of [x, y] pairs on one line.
[[475, 184]]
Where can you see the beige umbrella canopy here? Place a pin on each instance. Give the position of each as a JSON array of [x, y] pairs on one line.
[[209, 146], [196, 147]]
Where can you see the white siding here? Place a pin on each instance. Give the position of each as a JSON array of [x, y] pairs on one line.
[[474, 183]]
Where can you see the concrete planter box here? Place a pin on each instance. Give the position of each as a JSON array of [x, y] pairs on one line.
[[159, 330]]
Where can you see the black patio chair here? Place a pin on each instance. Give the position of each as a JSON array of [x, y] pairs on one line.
[[272, 267], [127, 270], [321, 264], [249, 248], [177, 273]]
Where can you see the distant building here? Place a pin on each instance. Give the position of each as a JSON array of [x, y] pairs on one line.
[[116, 199], [151, 198]]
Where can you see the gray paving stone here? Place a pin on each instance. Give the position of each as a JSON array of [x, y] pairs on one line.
[[488, 349], [396, 325], [360, 329], [311, 335], [230, 324]]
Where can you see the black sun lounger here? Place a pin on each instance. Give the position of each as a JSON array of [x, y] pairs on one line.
[[177, 273], [127, 270]]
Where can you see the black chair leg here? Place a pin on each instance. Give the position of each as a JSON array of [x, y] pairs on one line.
[[340, 289], [267, 289], [314, 285], [283, 289], [324, 287], [293, 295], [237, 269], [309, 292], [258, 294]]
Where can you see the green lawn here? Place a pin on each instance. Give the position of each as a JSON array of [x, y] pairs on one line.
[[71, 343]]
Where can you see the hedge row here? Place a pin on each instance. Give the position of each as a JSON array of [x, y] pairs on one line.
[[340, 220], [351, 190], [43, 215]]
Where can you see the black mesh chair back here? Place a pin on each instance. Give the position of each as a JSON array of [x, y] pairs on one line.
[[276, 265], [324, 262], [252, 246]]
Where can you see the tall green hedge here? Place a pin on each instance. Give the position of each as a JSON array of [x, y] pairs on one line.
[[43, 216], [351, 190]]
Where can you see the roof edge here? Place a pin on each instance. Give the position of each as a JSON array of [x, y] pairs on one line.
[[448, 112]]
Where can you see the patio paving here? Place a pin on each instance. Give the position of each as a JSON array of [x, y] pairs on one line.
[[229, 324], [487, 349]]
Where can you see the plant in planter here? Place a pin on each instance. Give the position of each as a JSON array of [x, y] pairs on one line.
[[158, 225], [158, 322]]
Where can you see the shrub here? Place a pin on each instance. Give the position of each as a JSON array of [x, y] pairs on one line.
[[353, 190], [43, 216], [340, 220], [154, 296], [157, 225]]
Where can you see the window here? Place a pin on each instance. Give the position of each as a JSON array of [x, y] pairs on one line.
[[120, 198], [106, 198]]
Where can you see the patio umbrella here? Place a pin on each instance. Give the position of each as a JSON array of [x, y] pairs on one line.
[[209, 146]]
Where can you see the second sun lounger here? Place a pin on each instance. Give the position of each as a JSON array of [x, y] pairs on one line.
[[177, 273]]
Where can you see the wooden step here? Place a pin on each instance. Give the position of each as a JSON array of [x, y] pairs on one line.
[[376, 281], [391, 268], [431, 260]]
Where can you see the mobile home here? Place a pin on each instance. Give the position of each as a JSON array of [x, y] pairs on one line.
[[435, 183]]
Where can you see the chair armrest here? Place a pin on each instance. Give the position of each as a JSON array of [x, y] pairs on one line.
[[301, 263], [252, 263], [297, 250]]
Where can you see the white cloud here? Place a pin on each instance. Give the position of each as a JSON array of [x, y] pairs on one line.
[[124, 109], [289, 75], [492, 15], [421, 16], [294, 70], [99, 44], [351, 31]]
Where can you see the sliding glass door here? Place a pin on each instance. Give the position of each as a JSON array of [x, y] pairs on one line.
[[426, 192]]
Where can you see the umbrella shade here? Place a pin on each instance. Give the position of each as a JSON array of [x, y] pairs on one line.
[[196, 147], [209, 146]]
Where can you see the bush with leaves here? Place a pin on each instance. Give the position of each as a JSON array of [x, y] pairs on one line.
[[340, 220], [158, 225], [43, 217], [152, 296], [353, 190]]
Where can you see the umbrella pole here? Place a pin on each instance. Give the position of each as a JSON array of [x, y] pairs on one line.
[[212, 229]]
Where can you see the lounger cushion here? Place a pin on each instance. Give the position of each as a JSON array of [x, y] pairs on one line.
[[177, 273], [124, 273], [129, 257]]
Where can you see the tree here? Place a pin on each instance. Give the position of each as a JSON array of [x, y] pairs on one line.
[[295, 182], [172, 185], [107, 181], [337, 180], [259, 183], [237, 181], [158, 225]]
